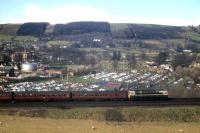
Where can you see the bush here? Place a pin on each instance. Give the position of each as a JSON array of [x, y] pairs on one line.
[[113, 115]]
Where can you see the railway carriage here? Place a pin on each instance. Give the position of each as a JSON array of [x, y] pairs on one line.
[[100, 95], [44, 95], [5, 96]]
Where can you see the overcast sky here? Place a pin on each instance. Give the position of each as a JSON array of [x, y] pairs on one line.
[[167, 12]]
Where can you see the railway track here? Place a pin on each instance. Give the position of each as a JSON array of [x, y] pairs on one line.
[[73, 104]]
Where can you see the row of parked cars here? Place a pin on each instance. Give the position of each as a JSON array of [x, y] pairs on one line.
[[134, 80], [43, 86], [141, 78]]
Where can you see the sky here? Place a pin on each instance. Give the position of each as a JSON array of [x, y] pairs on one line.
[[165, 12]]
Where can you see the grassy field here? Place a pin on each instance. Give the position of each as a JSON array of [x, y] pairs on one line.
[[174, 41], [153, 43], [193, 35], [18, 38], [34, 125], [26, 38], [9, 29], [64, 43], [126, 50], [5, 37], [92, 49]]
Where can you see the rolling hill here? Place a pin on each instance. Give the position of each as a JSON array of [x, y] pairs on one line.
[[115, 34]]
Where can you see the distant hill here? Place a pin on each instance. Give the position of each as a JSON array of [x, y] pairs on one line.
[[145, 31], [112, 34], [9, 29]]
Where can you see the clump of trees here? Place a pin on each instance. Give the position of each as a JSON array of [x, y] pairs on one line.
[[132, 62], [161, 58], [143, 56], [81, 27], [115, 58], [5, 59], [182, 60], [193, 73], [195, 48], [181, 63], [4, 55], [116, 55], [32, 29]]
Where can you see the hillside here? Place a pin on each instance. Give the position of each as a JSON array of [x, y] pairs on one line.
[[9, 29], [111, 34], [145, 31]]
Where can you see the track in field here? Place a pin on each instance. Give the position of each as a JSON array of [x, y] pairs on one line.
[[71, 104]]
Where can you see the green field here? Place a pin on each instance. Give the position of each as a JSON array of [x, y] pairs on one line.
[[9, 29], [26, 38], [193, 35], [64, 43], [4, 37], [92, 49], [126, 50]]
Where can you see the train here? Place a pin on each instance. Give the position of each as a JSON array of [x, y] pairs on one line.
[[84, 95]]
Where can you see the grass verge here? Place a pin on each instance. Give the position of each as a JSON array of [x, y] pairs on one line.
[[132, 114]]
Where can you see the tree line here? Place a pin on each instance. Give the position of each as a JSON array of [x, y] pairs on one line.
[[81, 27], [32, 29]]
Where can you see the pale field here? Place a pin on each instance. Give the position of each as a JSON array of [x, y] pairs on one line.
[[16, 124]]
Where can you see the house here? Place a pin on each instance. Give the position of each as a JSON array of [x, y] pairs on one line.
[[56, 71]]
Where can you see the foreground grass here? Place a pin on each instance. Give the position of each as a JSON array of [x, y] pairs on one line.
[[132, 114], [15, 124]]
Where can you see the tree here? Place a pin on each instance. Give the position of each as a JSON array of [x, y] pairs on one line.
[[161, 58], [118, 55], [143, 56], [193, 73], [131, 61], [12, 72], [19, 67], [115, 65], [91, 60], [179, 48], [198, 58], [114, 55], [5, 59], [193, 47]]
